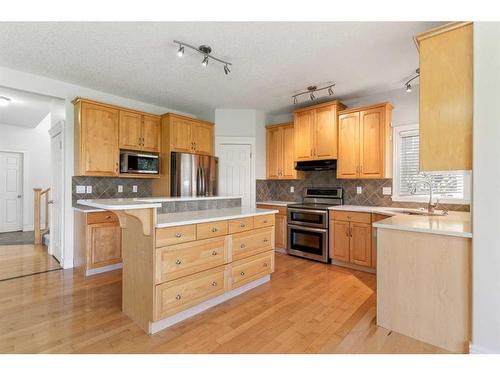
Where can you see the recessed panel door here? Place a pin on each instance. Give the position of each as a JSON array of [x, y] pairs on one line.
[[11, 191]]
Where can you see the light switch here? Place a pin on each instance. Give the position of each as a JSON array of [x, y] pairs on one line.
[[292, 189], [134, 188], [387, 190], [89, 189], [120, 188], [80, 189], [359, 189]]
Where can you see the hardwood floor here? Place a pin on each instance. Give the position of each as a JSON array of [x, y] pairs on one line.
[[308, 307], [22, 260]]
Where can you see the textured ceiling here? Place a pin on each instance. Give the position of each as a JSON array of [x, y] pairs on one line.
[[25, 109], [271, 60]]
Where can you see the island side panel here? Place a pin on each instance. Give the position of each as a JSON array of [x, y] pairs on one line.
[[424, 287]]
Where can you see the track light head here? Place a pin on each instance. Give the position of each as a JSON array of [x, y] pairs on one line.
[[226, 69], [312, 96], [180, 52], [330, 91], [205, 61], [408, 87], [295, 101]]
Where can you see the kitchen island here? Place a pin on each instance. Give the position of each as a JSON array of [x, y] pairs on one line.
[[178, 264]]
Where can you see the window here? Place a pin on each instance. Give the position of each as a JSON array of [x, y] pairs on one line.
[[448, 187]]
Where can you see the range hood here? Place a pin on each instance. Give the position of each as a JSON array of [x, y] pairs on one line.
[[316, 165]]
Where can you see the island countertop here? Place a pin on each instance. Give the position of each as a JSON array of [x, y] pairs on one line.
[[195, 217]]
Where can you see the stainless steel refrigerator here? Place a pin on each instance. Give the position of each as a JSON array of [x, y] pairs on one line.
[[193, 175]]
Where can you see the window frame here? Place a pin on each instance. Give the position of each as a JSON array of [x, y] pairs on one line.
[[396, 197]]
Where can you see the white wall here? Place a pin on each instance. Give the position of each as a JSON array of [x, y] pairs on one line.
[[41, 85], [34, 143], [486, 189]]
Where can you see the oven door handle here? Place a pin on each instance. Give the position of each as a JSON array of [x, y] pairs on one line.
[[308, 211], [309, 229]]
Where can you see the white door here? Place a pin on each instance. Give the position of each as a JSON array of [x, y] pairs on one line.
[[11, 191], [235, 172], [56, 160]]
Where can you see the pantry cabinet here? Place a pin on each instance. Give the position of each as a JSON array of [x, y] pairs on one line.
[[365, 142], [280, 152], [315, 131], [446, 60]]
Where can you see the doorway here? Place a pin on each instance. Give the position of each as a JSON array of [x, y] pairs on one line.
[[11, 192]]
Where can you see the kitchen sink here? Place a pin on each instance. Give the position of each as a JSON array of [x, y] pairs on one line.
[[423, 212]]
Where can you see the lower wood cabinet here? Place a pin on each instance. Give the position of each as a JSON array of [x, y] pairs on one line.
[[280, 225], [249, 243], [250, 269]]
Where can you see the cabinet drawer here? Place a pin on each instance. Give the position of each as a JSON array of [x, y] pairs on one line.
[[175, 235], [359, 217], [213, 229], [101, 217], [252, 242], [262, 221], [240, 225], [250, 269], [174, 296], [185, 259]]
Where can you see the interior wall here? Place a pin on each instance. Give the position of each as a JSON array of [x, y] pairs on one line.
[[34, 143], [486, 190]]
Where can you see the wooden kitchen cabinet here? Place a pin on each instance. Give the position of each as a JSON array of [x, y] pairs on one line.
[[189, 135], [339, 243], [446, 60], [280, 149], [151, 128], [360, 244], [365, 142], [139, 132], [280, 225], [203, 138], [316, 131]]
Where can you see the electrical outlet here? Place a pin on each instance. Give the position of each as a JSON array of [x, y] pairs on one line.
[[292, 189], [89, 189], [387, 190], [120, 188], [80, 189], [359, 189], [134, 188]]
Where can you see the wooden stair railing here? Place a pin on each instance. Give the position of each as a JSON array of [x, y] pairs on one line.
[[39, 232]]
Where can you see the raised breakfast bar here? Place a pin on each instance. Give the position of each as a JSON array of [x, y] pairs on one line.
[[178, 264]]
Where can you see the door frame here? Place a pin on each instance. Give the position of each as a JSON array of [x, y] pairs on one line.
[[55, 130], [219, 141], [24, 183]]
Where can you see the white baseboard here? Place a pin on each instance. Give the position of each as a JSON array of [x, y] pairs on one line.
[[28, 228], [475, 349], [96, 271], [155, 327]]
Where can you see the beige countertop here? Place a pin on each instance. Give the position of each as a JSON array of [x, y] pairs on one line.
[[456, 224], [275, 203]]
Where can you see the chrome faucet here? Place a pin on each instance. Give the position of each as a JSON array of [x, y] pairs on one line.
[[428, 182]]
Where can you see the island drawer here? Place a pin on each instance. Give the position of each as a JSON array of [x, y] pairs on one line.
[[262, 221], [252, 242], [101, 217], [185, 259], [175, 235], [174, 296], [252, 268], [240, 225], [359, 217], [213, 229]]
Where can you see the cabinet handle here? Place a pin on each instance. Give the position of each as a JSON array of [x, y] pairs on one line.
[[214, 230], [242, 273], [178, 297], [214, 283], [108, 217], [178, 261], [242, 246], [350, 231], [242, 225], [214, 253], [178, 235], [265, 240], [116, 167], [347, 232], [265, 264], [265, 221]]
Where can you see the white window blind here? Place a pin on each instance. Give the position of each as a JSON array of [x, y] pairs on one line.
[[445, 185]]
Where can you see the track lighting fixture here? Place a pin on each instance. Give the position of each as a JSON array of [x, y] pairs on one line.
[[407, 84], [205, 51], [311, 90]]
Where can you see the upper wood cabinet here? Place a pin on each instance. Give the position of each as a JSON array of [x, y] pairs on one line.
[[139, 132], [316, 131], [446, 97], [280, 151], [190, 135], [365, 142]]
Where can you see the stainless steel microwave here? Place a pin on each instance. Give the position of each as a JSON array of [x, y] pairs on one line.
[[137, 162]]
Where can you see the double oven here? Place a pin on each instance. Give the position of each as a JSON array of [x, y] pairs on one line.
[[308, 223]]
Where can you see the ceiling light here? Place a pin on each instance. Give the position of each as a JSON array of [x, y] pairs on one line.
[[311, 90], [330, 91], [205, 61], [226, 69], [295, 100], [408, 87], [4, 101], [181, 50], [407, 84], [312, 96]]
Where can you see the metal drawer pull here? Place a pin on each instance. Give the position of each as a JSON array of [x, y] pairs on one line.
[[178, 235], [242, 225], [108, 217], [178, 261], [265, 264], [242, 273], [265, 221], [265, 239], [214, 253], [214, 230], [214, 283], [242, 246], [178, 297]]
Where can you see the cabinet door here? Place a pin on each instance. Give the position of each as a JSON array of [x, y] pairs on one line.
[[371, 144], [288, 168], [151, 133], [325, 133], [303, 127], [280, 231], [361, 244], [130, 130], [348, 158], [202, 136], [339, 240], [180, 136], [105, 245], [274, 143], [99, 150]]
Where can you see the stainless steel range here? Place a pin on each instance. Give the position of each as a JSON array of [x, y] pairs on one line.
[[308, 223]]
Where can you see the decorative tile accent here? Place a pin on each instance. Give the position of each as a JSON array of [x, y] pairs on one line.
[[371, 196], [200, 205]]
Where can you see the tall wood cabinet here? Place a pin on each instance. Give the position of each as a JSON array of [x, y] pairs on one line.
[[365, 142], [315, 130], [280, 152], [446, 97]]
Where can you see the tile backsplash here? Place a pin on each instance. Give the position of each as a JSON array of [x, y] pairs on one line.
[[371, 191], [107, 187]]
